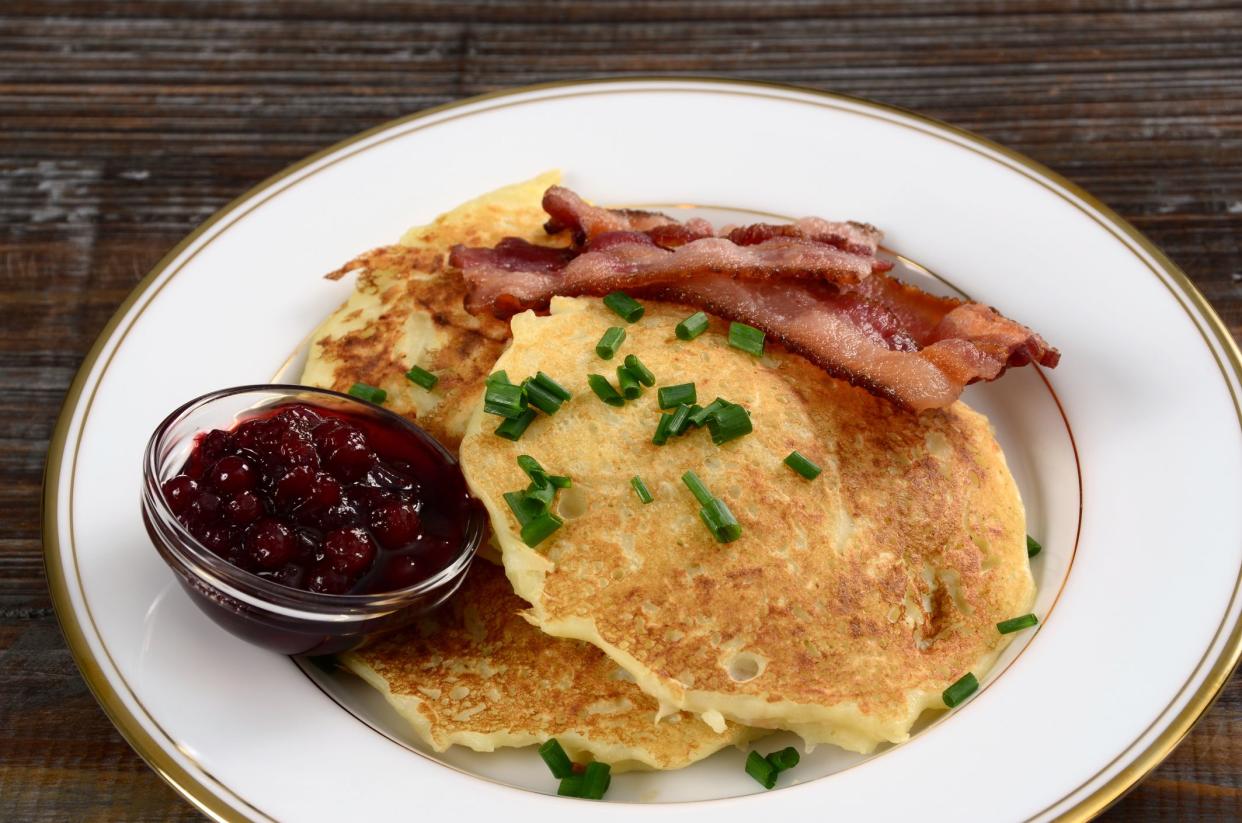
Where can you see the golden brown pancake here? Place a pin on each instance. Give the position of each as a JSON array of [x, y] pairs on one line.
[[475, 673], [407, 310], [849, 602]]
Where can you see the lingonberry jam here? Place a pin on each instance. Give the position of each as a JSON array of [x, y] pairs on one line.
[[322, 499]]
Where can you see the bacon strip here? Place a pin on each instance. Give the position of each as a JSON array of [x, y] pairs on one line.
[[500, 278], [857, 238], [566, 210], [569, 212], [813, 285], [865, 337], [512, 277]]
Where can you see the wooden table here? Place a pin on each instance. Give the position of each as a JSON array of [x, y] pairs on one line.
[[125, 124]]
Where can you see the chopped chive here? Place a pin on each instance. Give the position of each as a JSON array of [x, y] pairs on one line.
[[368, 393], [802, 466], [720, 521], [604, 390], [596, 780], [695, 409], [628, 383], [541, 496], [1016, 624], [670, 397], [571, 786], [758, 767], [697, 488], [610, 342], [747, 338], [626, 307], [699, 418], [1032, 548], [692, 326], [641, 372], [680, 422], [514, 428], [540, 397], [537, 473], [505, 400], [422, 377], [523, 508], [959, 691], [640, 489], [539, 529], [729, 423], [500, 376], [558, 762], [661, 433], [560, 481], [551, 386], [785, 759]]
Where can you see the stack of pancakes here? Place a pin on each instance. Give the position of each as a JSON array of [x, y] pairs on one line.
[[847, 606]]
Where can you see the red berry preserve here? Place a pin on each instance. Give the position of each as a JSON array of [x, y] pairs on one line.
[[323, 500]]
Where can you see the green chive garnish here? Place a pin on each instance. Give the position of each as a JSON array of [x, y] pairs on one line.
[[540, 397], [758, 767], [802, 466], [959, 691], [626, 307], [716, 515], [785, 759], [539, 529], [533, 506], [661, 433], [523, 508], [670, 397], [640, 489], [368, 393], [747, 338], [628, 383], [571, 786], [551, 386], [699, 418], [1016, 624], [500, 376], [692, 326], [596, 780], [695, 409], [697, 488], [641, 372], [680, 422], [504, 400], [422, 377], [1032, 548], [610, 342], [558, 762], [729, 423], [540, 496], [514, 428], [537, 473], [604, 390]]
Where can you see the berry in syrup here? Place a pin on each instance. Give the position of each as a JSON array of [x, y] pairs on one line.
[[322, 499]]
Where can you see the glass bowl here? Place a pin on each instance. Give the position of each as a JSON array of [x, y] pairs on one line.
[[261, 611]]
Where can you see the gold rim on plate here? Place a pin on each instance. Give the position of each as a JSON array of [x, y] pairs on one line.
[[210, 800]]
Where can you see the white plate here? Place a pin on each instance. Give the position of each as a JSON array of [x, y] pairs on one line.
[[1129, 458]]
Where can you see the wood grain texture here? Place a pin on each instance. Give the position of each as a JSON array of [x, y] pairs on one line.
[[125, 124]]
